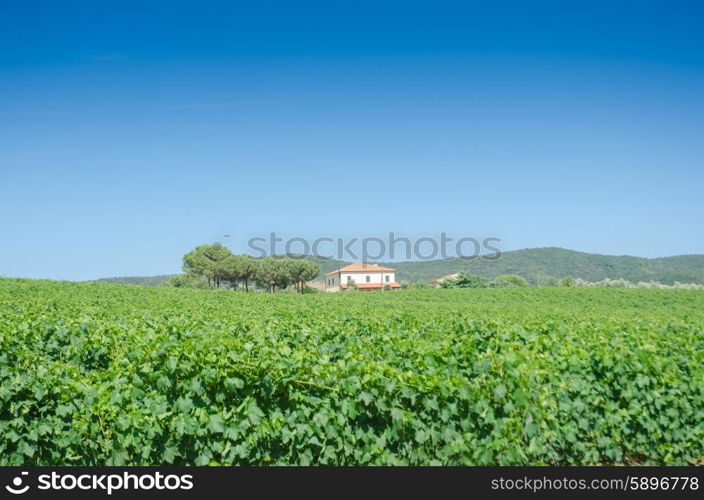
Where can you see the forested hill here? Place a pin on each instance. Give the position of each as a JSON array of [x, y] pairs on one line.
[[534, 264]]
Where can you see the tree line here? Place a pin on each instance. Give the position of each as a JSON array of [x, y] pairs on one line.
[[217, 265], [467, 280]]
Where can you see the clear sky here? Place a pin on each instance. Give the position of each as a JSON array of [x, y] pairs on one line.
[[132, 131]]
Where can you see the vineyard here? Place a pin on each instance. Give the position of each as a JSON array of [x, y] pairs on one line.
[[95, 373]]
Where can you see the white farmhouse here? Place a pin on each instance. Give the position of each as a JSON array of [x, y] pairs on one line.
[[362, 276]]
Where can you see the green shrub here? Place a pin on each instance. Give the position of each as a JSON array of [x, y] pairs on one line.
[[567, 281], [510, 280], [466, 280]]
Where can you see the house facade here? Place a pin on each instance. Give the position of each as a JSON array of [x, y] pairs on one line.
[[361, 276]]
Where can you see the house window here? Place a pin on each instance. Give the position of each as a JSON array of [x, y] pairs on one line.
[[386, 278], [368, 279]]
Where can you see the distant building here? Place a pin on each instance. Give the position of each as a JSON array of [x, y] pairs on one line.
[[438, 281], [362, 276]]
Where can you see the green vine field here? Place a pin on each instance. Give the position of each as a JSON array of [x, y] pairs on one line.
[[96, 373]]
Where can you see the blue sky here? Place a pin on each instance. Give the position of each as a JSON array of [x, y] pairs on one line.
[[133, 131]]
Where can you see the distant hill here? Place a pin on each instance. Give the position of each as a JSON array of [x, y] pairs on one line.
[[534, 264], [139, 280]]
